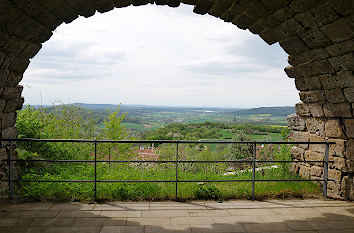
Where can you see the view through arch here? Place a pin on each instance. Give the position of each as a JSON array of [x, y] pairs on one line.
[[318, 35]]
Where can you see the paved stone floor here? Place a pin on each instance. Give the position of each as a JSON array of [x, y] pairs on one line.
[[311, 215]]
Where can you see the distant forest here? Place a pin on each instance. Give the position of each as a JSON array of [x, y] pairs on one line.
[[274, 111], [144, 117]]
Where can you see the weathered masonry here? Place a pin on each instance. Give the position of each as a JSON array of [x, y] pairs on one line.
[[317, 35]]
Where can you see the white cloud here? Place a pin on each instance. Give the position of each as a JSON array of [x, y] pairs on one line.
[[158, 55]]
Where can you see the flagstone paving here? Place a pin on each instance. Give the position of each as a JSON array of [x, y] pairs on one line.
[[306, 216]]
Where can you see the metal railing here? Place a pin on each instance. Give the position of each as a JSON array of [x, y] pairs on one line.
[[11, 160]]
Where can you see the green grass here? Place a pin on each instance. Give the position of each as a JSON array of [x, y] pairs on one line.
[[271, 136], [156, 191]]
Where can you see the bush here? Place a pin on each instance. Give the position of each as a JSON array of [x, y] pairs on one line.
[[208, 192]]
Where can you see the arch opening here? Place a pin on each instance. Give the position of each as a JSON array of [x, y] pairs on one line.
[[318, 35]]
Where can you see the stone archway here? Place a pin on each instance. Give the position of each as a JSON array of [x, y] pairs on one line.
[[317, 35]]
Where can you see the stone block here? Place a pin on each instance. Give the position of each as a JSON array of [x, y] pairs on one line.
[[334, 174], [13, 105], [25, 27], [309, 69], [299, 6], [337, 110], [2, 105], [300, 84], [291, 27], [3, 153], [343, 185], [275, 4], [255, 28], [125, 3], [349, 94], [219, 8], [295, 60], [341, 48], [243, 21], [42, 37], [30, 50], [12, 92], [103, 5], [271, 35], [334, 129], [349, 166], [202, 7], [293, 45], [284, 13], [318, 16], [343, 63], [334, 187], [9, 133], [297, 153], [14, 45], [316, 54], [313, 156], [304, 172], [63, 12], [312, 96], [340, 80], [301, 137], [335, 96], [316, 109], [320, 148], [344, 7], [8, 120], [302, 109], [84, 8], [316, 171], [349, 127], [340, 30], [339, 163], [291, 72], [4, 74], [337, 149], [50, 5], [38, 13], [19, 65], [349, 153], [257, 10], [295, 122], [315, 38], [313, 83], [237, 9], [13, 80], [315, 126], [350, 194]]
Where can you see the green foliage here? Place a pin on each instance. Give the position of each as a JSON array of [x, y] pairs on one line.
[[239, 151], [208, 192], [114, 130], [205, 130], [72, 122]]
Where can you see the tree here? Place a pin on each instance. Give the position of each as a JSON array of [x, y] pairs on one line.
[[239, 151], [114, 130]]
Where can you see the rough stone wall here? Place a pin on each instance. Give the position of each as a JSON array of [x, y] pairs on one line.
[[317, 34]]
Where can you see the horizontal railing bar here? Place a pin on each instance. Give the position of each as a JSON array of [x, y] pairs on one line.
[[160, 161], [161, 141], [289, 161], [156, 181]]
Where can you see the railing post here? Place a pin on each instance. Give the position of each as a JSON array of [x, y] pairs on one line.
[[95, 188], [253, 169], [11, 184], [325, 171], [176, 197]]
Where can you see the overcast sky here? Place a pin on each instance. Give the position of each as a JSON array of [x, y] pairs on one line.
[[157, 55]]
